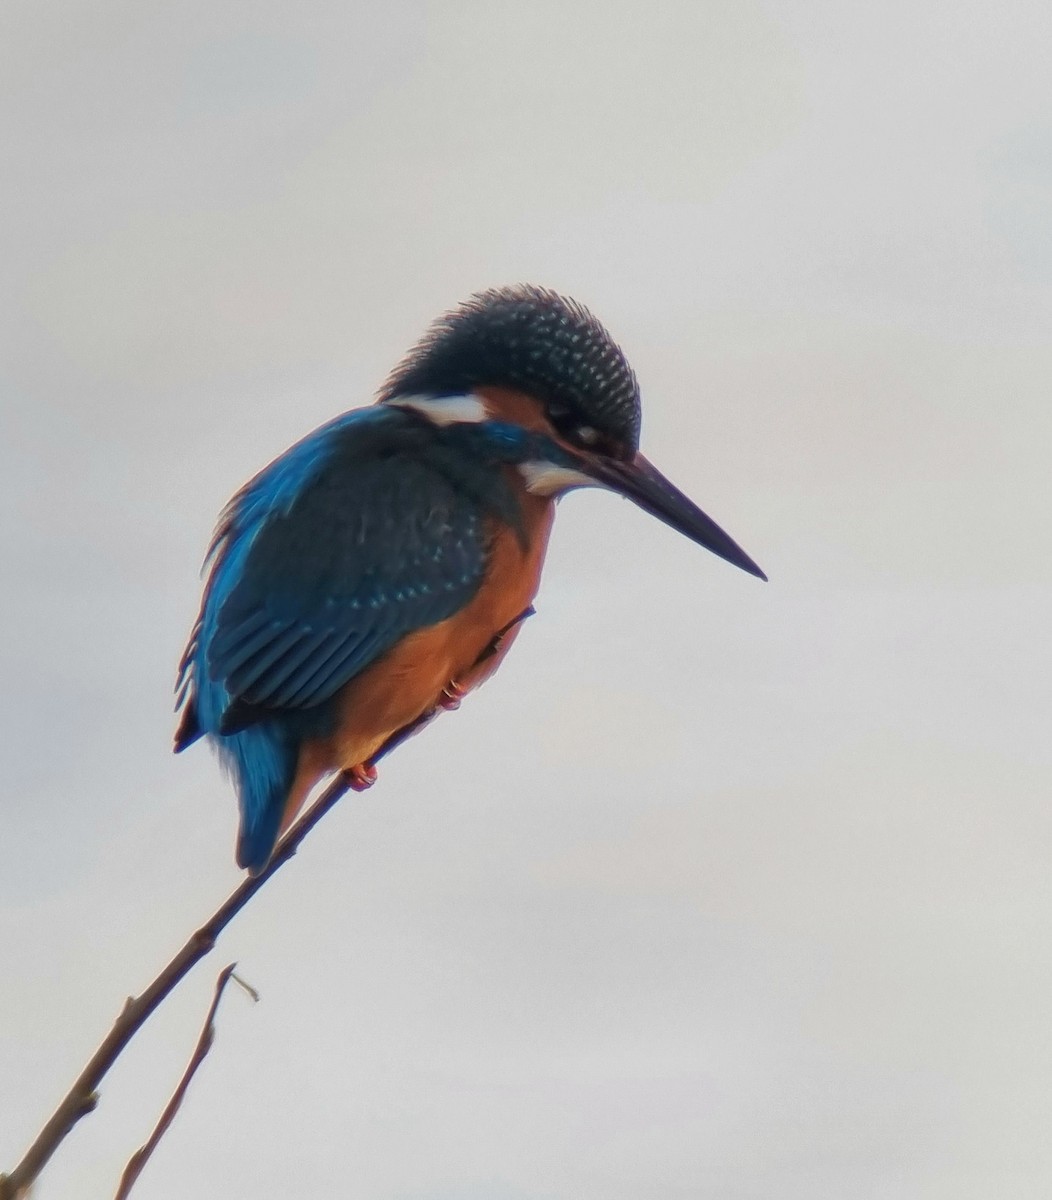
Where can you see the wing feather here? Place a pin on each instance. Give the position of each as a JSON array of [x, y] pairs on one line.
[[344, 545]]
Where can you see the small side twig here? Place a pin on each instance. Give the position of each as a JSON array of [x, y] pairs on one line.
[[82, 1097], [204, 1044]]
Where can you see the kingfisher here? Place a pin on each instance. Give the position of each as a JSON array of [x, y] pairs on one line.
[[380, 569]]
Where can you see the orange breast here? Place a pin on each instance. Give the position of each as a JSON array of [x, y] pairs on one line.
[[409, 679]]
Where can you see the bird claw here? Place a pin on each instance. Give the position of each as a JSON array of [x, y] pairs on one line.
[[361, 777], [451, 696]]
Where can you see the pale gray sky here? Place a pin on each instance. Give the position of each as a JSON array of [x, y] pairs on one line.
[[720, 890]]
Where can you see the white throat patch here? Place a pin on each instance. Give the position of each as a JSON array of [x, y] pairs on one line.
[[548, 479], [445, 410]]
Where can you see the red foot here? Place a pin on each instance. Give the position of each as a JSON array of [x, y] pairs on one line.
[[451, 696], [361, 777]]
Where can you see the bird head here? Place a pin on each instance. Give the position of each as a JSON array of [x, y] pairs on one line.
[[531, 359]]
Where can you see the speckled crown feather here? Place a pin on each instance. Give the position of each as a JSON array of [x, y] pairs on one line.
[[536, 341]]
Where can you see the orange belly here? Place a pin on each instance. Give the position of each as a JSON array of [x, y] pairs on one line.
[[409, 679]]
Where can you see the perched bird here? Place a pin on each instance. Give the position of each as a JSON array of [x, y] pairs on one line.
[[380, 568]]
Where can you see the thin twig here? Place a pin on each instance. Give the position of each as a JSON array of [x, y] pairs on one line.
[[247, 988], [83, 1095], [204, 1043]]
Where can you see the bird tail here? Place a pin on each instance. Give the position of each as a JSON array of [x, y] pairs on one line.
[[262, 760]]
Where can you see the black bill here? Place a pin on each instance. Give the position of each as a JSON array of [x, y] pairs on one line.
[[644, 484]]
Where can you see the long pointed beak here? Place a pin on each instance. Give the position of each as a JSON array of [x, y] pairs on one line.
[[641, 482]]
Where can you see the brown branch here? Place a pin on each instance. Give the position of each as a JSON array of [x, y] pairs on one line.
[[204, 1043], [83, 1095]]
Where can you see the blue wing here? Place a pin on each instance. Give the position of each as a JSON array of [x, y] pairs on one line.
[[355, 537]]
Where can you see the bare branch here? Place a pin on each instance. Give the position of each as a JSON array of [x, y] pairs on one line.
[[83, 1096], [204, 1043]]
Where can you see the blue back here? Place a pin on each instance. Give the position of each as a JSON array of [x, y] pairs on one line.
[[371, 527]]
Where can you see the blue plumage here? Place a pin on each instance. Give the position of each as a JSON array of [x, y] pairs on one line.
[[370, 528]]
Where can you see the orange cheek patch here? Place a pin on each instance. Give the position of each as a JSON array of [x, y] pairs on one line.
[[516, 408]]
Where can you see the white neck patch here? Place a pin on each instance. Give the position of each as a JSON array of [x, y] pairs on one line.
[[445, 410]]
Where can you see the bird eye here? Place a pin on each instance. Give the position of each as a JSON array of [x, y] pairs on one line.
[[564, 418]]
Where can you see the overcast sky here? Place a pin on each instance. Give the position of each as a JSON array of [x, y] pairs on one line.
[[720, 890]]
